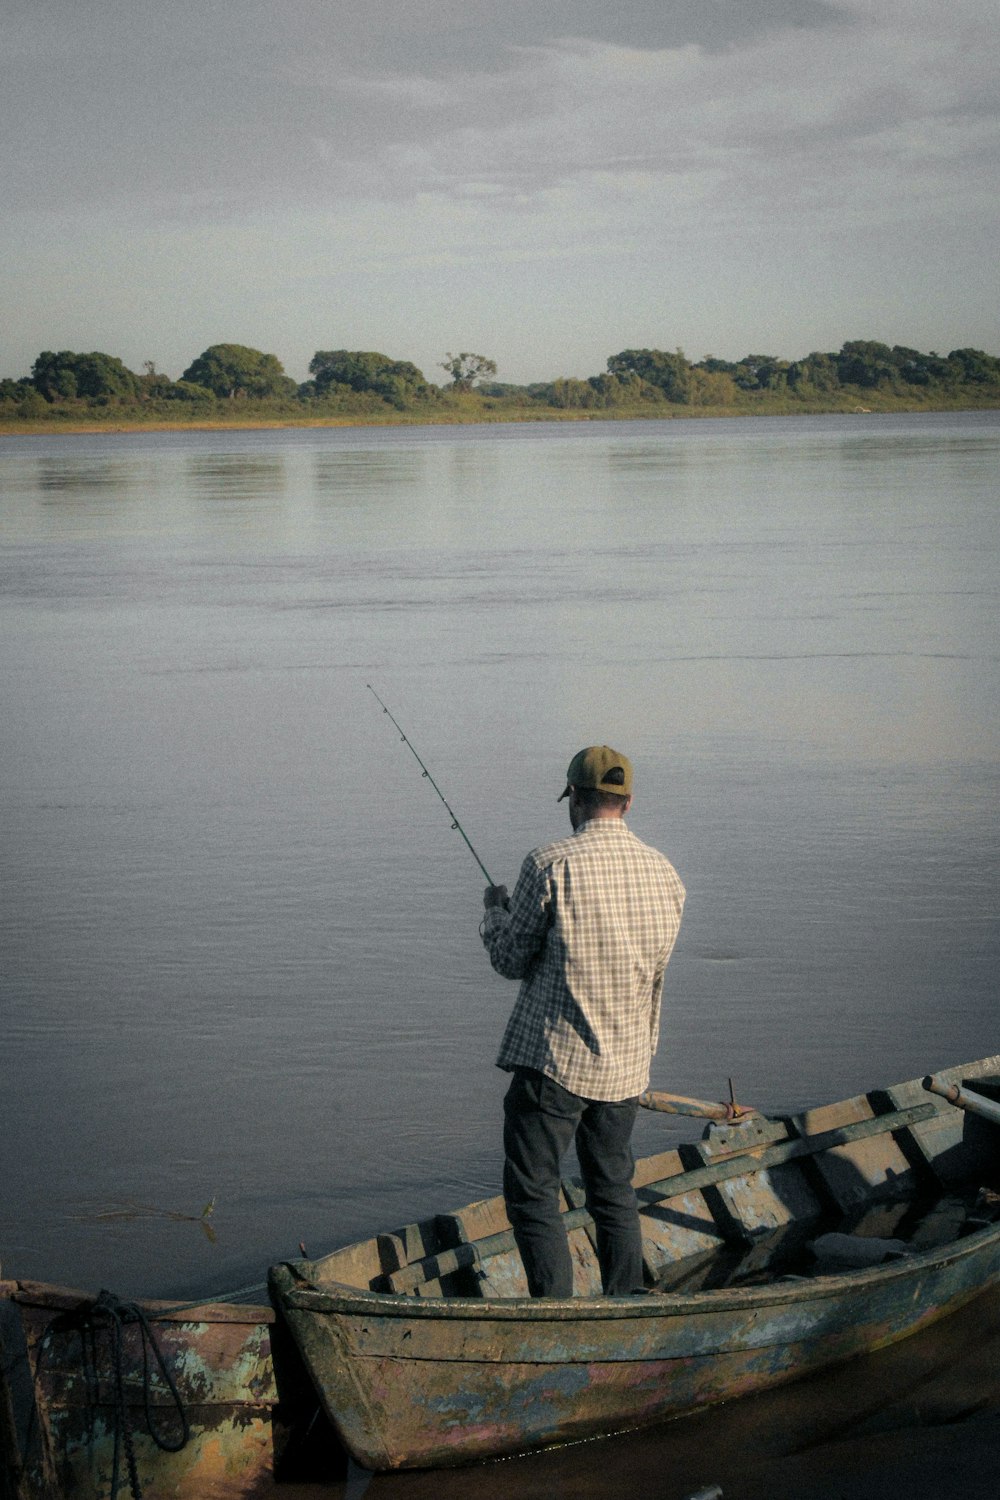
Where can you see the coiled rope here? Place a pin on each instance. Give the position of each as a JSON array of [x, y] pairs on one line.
[[108, 1312]]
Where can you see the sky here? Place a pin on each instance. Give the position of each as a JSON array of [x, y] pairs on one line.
[[543, 182]]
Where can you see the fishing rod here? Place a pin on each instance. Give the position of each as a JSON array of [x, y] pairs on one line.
[[454, 821]]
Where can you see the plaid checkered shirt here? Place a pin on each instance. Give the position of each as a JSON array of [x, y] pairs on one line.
[[592, 923]]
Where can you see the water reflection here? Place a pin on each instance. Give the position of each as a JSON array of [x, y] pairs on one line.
[[80, 479], [237, 476], [352, 473], [657, 458]]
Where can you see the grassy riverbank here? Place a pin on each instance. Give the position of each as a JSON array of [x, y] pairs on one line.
[[472, 407]]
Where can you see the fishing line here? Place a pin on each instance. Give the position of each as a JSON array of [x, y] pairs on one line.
[[454, 821]]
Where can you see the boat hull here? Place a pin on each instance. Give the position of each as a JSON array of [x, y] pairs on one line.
[[432, 1386]]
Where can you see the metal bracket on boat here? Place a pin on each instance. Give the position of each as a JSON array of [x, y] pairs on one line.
[[965, 1099]]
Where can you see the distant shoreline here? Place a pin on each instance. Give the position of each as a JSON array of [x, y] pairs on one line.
[[487, 416]]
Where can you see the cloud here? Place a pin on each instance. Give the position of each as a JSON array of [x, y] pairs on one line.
[[105, 102], [778, 126], [306, 103], [766, 155]]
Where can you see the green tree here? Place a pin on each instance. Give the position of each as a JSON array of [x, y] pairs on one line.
[[761, 372], [817, 372], [99, 376], [94, 377], [617, 390], [865, 363], [569, 393], [714, 366], [19, 398], [466, 369], [54, 376], [711, 387], [233, 370], [153, 384], [668, 373], [974, 367], [394, 380]]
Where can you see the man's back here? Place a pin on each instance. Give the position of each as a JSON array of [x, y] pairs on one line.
[[592, 923]]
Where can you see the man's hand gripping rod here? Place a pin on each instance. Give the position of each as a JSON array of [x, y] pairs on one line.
[[454, 821]]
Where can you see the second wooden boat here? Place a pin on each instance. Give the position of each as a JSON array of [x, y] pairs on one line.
[[97, 1397]]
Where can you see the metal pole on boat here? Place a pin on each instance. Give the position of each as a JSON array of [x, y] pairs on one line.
[[965, 1099], [680, 1104], [454, 821]]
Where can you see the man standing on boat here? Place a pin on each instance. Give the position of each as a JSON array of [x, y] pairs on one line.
[[588, 931]]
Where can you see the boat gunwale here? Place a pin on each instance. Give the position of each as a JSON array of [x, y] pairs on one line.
[[47, 1296], [339, 1298]]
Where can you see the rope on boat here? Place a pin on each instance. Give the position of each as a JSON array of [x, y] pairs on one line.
[[241, 1294], [110, 1313]]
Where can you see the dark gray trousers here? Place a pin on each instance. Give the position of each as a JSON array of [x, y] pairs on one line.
[[541, 1118]]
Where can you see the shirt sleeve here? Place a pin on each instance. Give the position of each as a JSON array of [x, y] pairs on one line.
[[514, 938], [655, 1004], [656, 998]]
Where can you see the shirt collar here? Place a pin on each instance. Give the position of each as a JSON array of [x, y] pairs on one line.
[[603, 827]]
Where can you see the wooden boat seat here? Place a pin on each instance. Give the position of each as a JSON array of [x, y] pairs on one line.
[[472, 1253], [418, 1260], [501, 1274], [679, 1232], [764, 1201], [859, 1170]]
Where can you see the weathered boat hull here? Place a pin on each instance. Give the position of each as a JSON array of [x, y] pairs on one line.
[[427, 1380], [432, 1388], [57, 1392]]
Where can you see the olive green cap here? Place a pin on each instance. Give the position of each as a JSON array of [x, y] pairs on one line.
[[602, 768]]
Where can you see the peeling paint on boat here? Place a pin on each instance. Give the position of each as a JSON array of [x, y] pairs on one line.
[[59, 1392]]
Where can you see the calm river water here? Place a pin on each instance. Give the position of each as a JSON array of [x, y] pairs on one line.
[[239, 938]]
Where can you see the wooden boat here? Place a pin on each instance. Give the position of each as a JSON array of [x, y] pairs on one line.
[[772, 1247], [207, 1410]]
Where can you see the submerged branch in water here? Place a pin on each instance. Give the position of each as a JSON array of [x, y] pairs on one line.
[[129, 1211]]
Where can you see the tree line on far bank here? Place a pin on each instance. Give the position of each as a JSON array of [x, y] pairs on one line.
[[229, 379]]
